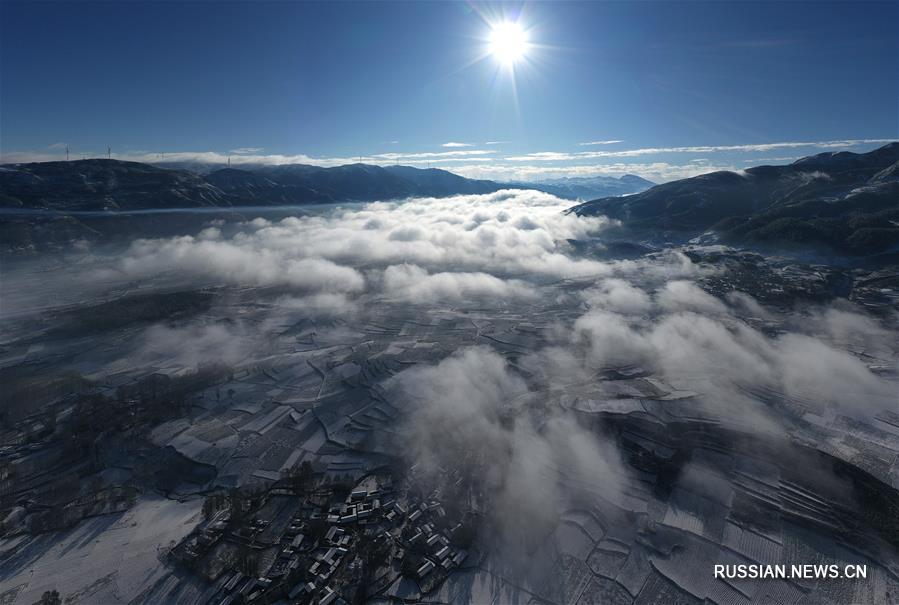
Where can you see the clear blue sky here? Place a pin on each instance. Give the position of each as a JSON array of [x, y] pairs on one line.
[[342, 80]]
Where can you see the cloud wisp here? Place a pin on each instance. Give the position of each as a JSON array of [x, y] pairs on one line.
[[249, 156], [609, 142], [702, 343], [553, 156], [246, 150], [459, 155], [655, 171], [472, 413]]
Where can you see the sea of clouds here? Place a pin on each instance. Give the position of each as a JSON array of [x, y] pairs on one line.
[[504, 249], [514, 246]]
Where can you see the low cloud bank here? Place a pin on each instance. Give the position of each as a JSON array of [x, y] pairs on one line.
[[522, 459], [479, 245], [697, 341], [525, 459], [513, 247], [518, 451], [414, 284]]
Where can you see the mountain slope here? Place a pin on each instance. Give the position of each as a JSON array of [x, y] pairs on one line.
[[103, 185], [98, 185], [245, 187], [844, 200], [352, 182], [441, 182]]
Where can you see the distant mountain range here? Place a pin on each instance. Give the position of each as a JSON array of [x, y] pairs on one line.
[[98, 185], [573, 188], [846, 201], [103, 184]]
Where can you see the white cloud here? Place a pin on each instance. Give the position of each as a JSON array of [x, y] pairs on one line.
[[512, 246], [474, 414], [250, 158], [544, 156], [421, 250], [414, 284], [455, 144], [618, 295], [656, 171], [696, 341], [245, 259], [430, 155], [246, 150], [682, 295], [553, 156], [609, 142], [195, 344], [786, 158]]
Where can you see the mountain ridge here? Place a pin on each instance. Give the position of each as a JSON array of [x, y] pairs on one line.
[[109, 185], [843, 200]]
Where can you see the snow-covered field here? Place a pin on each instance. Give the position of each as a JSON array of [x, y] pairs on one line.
[[107, 559]]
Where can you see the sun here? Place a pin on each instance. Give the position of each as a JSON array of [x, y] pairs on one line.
[[508, 42]]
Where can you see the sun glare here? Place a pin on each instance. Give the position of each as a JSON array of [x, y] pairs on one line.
[[508, 42]]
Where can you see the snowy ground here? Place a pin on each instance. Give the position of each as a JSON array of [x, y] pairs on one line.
[[108, 559]]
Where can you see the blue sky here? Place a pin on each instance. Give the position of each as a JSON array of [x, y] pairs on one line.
[[682, 87]]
